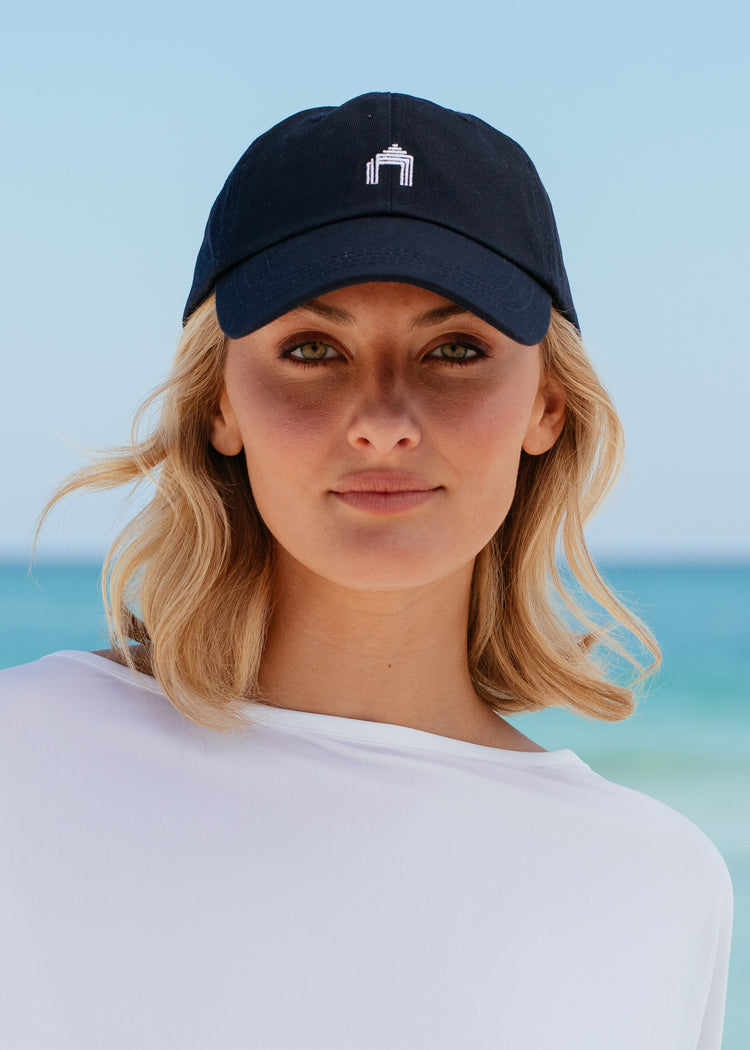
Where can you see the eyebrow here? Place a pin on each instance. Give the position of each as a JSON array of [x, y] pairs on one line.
[[331, 313], [430, 317], [440, 313]]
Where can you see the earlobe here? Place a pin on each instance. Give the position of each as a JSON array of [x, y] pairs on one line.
[[547, 419], [225, 434]]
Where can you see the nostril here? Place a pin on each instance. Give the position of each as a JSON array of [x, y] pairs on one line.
[[384, 432]]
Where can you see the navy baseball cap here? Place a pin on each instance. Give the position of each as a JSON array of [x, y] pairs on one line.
[[385, 187]]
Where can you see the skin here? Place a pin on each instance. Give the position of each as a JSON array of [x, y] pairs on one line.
[[371, 611]]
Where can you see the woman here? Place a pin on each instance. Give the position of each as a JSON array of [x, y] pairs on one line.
[[379, 426]]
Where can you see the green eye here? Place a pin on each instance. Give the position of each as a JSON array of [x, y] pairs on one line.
[[312, 350], [455, 352]]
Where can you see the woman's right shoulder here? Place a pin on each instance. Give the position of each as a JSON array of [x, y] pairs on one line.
[[58, 670], [67, 684], [25, 680]]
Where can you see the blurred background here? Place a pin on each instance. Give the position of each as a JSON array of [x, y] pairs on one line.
[[120, 124]]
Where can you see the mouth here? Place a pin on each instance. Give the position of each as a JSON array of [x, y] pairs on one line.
[[383, 481], [384, 492]]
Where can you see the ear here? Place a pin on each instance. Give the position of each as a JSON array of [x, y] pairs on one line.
[[225, 433], [547, 417]]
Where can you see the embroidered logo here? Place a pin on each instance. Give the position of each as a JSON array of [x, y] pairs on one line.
[[394, 155]]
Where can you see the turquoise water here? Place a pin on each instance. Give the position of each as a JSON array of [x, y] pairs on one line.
[[688, 744]]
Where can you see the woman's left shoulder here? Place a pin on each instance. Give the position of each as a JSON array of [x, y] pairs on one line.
[[653, 833]]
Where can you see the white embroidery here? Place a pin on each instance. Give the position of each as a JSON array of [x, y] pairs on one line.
[[393, 155]]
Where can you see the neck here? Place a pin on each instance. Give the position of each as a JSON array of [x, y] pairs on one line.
[[395, 657]]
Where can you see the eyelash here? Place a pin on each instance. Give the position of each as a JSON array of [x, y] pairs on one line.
[[478, 355], [286, 354]]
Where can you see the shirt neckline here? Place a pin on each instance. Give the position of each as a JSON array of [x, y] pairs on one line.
[[338, 726], [401, 736]]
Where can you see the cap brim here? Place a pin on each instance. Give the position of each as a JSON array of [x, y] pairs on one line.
[[382, 248]]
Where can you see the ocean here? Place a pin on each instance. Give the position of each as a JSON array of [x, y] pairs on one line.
[[688, 744]]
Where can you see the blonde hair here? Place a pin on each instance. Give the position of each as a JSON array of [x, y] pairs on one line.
[[191, 576]]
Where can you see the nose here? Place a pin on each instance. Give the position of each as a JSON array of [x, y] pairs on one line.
[[384, 418]]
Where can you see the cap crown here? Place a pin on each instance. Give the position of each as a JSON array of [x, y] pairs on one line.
[[324, 166]]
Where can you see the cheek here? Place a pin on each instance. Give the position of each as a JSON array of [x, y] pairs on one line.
[[270, 410], [490, 427], [487, 443], [283, 431]]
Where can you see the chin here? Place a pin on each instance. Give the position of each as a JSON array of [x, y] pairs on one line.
[[384, 571]]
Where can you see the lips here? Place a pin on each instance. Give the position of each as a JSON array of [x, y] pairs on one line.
[[383, 481], [384, 492]]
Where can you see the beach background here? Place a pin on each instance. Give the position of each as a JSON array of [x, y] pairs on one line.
[[120, 123]]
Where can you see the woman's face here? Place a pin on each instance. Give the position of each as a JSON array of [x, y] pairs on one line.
[[382, 427]]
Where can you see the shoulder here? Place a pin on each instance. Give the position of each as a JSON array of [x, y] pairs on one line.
[[71, 692], [652, 841], [63, 671]]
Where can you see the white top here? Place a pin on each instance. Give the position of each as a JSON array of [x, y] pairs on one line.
[[315, 882]]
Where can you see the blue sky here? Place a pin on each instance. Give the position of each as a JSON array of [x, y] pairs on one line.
[[122, 121]]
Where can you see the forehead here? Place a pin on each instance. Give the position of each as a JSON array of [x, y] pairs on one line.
[[381, 300]]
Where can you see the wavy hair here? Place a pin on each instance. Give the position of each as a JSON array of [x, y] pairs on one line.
[[190, 577]]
